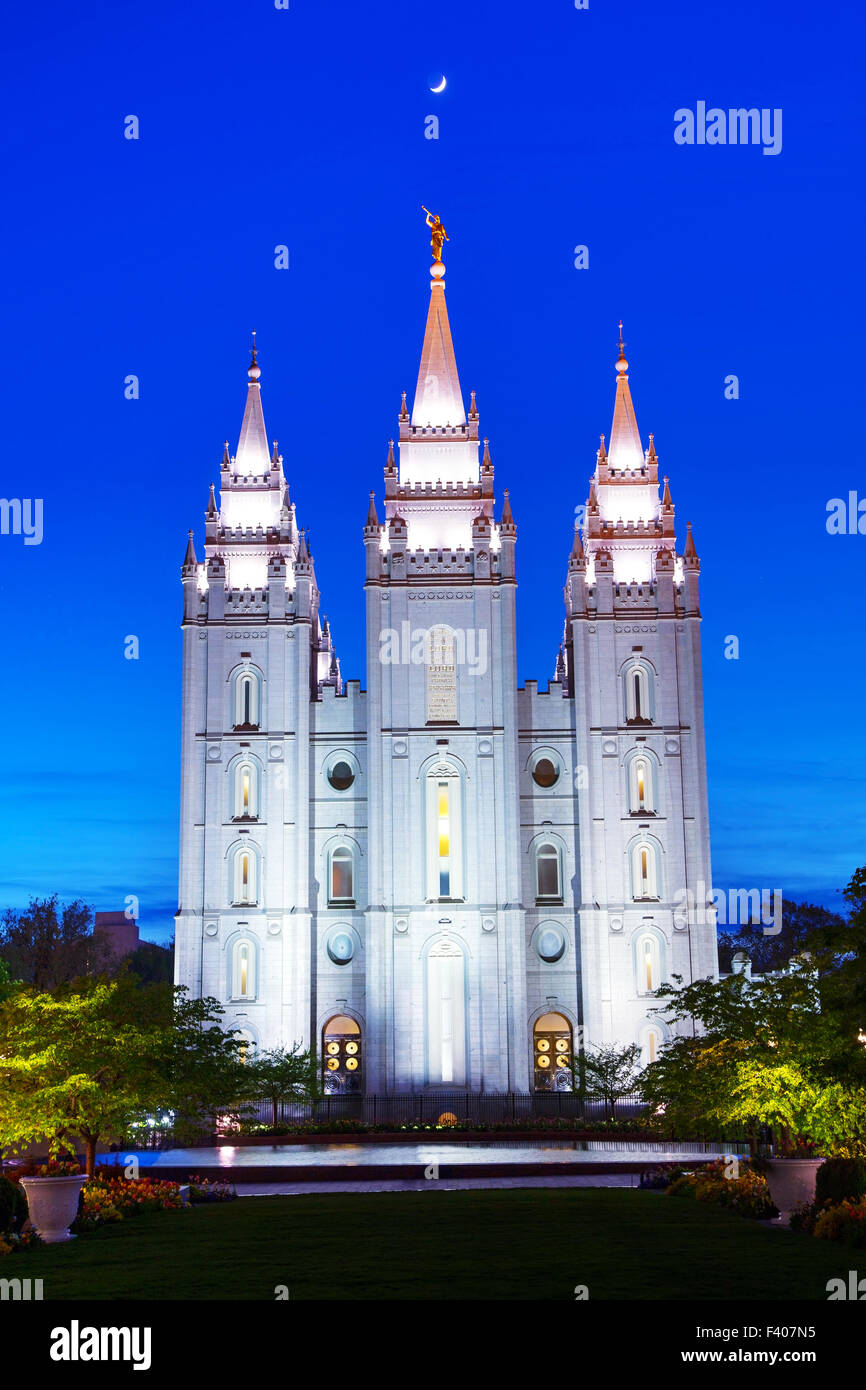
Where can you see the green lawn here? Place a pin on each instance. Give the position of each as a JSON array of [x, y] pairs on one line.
[[515, 1244]]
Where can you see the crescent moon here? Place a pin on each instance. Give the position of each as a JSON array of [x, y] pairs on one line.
[[440, 88]]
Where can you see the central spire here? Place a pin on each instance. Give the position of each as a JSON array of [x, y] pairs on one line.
[[625, 451], [438, 398], [253, 456]]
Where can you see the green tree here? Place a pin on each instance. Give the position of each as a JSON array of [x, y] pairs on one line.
[[7, 984], [280, 1075], [800, 922], [50, 944], [88, 1063], [760, 1052], [611, 1072]]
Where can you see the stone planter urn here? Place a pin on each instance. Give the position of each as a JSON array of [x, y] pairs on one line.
[[791, 1181], [53, 1205]]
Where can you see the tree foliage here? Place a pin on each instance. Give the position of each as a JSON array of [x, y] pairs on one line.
[[761, 1052], [50, 944], [611, 1072], [87, 1063]]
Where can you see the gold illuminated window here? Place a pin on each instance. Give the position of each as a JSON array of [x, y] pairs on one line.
[[444, 833], [341, 1047], [243, 971], [552, 1047]]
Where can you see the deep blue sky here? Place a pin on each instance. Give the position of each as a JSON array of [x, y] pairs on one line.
[[306, 127]]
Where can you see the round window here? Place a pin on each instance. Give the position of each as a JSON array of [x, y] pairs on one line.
[[545, 773], [550, 944], [341, 776], [341, 947]]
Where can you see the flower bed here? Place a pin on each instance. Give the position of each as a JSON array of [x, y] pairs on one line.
[[569, 1126], [109, 1199], [739, 1188]]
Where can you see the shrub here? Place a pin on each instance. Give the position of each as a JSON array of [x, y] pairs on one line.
[[203, 1190], [845, 1222], [747, 1194], [839, 1179], [804, 1216], [13, 1207]]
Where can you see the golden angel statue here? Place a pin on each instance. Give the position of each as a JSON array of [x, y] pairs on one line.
[[438, 233]]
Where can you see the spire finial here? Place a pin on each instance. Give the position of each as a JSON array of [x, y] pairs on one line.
[[254, 370], [621, 364]]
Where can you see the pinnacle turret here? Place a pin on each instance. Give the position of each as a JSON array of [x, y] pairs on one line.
[[625, 447], [253, 456], [190, 563]]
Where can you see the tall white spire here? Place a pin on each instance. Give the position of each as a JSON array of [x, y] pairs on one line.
[[438, 398], [625, 451], [253, 456]]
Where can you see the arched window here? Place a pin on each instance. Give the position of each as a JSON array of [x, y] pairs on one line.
[[644, 872], [548, 878], [641, 785], [444, 834], [553, 1052], [638, 693], [341, 1056], [648, 962], [246, 790], [651, 1040], [243, 969], [446, 1014], [341, 877], [245, 876], [247, 700]]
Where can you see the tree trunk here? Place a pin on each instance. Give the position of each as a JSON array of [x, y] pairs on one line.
[[90, 1162], [273, 1112]]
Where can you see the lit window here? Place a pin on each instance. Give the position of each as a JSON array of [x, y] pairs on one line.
[[444, 868], [648, 963], [243, 974], [644, 869], [245, 876], [553, 1053], [341, 1056], [342, 876], [548, 886], [246, 792], [444, 832], [641, 791]]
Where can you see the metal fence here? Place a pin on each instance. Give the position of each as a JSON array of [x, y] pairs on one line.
[[428, 1107], [411, 1108]]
